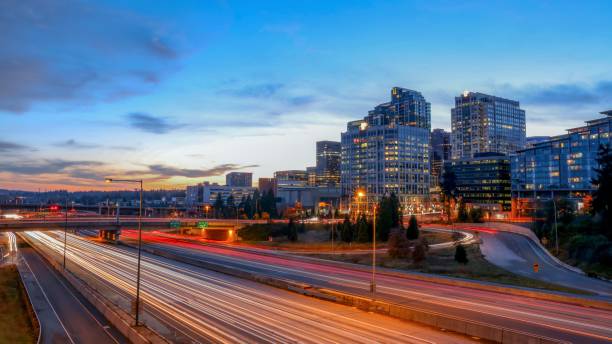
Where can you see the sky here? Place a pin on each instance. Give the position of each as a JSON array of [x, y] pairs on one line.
[[178, 92]]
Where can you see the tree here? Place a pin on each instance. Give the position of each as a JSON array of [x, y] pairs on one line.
[[462, 214], [461, 255], [602, 197], [475, 215], [248, 207], [218, 205], [292, 232], [394, 210], [363, 229], [412, 233], [231, 206], [346, 231], [418, 252], [449, 189], [384, 220], [398, 245]]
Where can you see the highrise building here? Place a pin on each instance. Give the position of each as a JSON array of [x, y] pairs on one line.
[[328, 163], [482, 123], [291, 178], [266, 184], [239, 179], [440, 152], [388, 152]]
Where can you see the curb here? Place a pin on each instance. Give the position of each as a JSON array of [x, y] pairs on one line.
[[115, 315], [529, 234], [458, 325]]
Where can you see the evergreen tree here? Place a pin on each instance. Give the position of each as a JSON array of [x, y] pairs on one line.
[[219, 206], [394, 210], [602, 197], [462, 215], [346, 231], [449, 184], [383, 219], [363, 229], [256, 203], [292, 232], [461, 255], [248, 207], [230, 210], [398, 245], [412, 233], [475, 215], [418, 252]]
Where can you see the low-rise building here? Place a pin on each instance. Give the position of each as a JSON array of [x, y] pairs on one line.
[[562, 166]]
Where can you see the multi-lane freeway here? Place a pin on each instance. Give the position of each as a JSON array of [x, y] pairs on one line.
[[204, 306], [552, 319]]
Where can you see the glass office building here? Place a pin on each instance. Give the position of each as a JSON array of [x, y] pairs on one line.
[[561, 166], [482, 123], [388, 152], [440, 152], [483, 180], [328, 163]]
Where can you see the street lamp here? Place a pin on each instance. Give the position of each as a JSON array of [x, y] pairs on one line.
[[139, 181], [65, 230], [373, 281], [556, 232]]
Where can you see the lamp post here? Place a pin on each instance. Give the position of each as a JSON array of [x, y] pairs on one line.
[[373, 281], [65, 232], [556, 232], [139, 181]]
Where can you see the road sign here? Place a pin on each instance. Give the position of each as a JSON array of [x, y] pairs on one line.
[[536, 267], [202, 224], [175, 224]]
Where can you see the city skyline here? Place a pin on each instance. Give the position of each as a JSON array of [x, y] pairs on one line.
[[179, 104]]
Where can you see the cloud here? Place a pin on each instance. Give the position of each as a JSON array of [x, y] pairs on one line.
[[78, 52], [47, 166], [564, 94], [71, 143], [168, 171], [302, 100], [151, 124], [264, 90], [9, 147]]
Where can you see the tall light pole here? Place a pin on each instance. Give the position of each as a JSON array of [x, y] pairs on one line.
[[556, 232], [65, 231], [373, 281], [139, 181]]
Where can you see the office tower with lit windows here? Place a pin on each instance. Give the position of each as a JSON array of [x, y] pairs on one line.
[[482, 123], [440, 152], [239, 179], [328, 163], [388, 152]]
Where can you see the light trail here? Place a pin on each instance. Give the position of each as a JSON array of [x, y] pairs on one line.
[[224, 309], [556, 316]]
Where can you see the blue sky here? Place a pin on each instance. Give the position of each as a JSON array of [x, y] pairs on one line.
[[180, 92]]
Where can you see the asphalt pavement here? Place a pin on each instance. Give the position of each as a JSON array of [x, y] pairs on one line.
[[206, 306], [518, 254], [552, 319], [68, 317]]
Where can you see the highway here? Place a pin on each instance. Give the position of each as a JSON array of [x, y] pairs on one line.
[[205, 306], [517, 253], [553, 319], [79, 320]]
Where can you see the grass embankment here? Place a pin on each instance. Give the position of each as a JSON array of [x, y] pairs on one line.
[[15, 322], [313, 237], [442, 262]]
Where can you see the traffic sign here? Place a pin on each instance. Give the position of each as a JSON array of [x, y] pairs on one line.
[[175, 224], [202, 224]]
